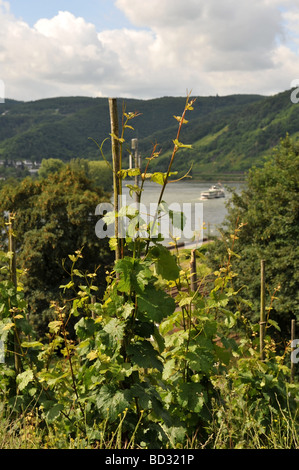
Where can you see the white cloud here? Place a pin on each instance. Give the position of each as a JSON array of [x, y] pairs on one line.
[[229, 34], [225, 47], [229, 47], [58, 56]]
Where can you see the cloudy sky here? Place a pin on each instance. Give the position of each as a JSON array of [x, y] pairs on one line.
[[147, 48]]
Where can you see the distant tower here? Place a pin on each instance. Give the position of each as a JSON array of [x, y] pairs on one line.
[[134, 147]]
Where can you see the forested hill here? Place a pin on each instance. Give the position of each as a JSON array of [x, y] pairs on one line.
[[229, 134]]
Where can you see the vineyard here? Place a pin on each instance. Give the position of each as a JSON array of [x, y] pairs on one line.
[[169, 356]]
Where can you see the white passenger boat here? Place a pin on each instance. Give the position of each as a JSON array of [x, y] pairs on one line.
[[213, 192]]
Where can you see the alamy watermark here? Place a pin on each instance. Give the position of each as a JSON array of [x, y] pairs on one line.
[[136, 220], [295, 92], [295, 352], [2, 352], [2, 91]]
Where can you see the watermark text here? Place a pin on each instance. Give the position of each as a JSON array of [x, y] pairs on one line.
[[2, 91], [295, 92], [2, 352], [295, 351], [137, 220]]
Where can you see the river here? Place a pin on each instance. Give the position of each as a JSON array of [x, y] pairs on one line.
[[213, 210]]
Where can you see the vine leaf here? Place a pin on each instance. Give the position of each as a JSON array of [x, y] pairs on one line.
[[24, 378], [111, 402], [133, 275], [191, 396], [144, 355], [155, 304], [165, 263]]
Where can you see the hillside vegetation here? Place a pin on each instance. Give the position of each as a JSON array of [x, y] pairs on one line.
[[228, 134], [141, 347]]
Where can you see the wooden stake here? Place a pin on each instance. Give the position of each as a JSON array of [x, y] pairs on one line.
[[116, 166], [13, 277], [262, 313], [11, 249], [193, 277], [293, 324]]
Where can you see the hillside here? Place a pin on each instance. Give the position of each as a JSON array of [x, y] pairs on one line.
[[229, 134]]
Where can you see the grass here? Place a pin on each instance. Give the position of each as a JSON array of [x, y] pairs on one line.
[[19, 433], [233, 432]]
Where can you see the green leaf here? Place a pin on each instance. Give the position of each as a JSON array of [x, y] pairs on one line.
[[134, 172], [180, 145], [119, 139], [274, 324], [134, 188], [54, 326], [177, 218], [53, 412], [191, 396], [179, 119], [111, 402], [113, 243], [201, 361], [109, 218], [67, 286], [186, 300], [149, 398], [155, 304], [169, 368], [165, 263], [176, 434], [159, 339], [85, 328], [223, 354], [218, 299], [144, 355], [201, 354], [116, 330], [24, 379], [127, 309], [134, 275], [230, 319], [158, 177], [32, 344], [78, 273], [172, 321]]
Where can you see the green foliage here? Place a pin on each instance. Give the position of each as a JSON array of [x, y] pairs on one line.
[[51, 165], [228, 134], [97, 171], [100, 174], [268, 212], [52, 216], [143, 369]]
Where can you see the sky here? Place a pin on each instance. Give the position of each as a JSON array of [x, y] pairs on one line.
[[147, 48]]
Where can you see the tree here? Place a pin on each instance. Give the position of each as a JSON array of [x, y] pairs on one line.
[[50, 165], [101, 174], [97, 171], [54, 217], [269, 210]]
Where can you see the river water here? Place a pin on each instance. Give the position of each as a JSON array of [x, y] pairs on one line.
[[213, 211]]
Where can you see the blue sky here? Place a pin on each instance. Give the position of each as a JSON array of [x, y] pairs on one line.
[[147, 48], [102, 13]]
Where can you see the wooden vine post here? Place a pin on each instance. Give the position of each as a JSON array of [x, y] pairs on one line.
[[13, 278], [262, 312], [193, 274], [293, 323], [116, 167], [193, 277]]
